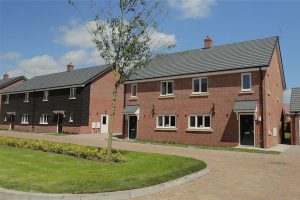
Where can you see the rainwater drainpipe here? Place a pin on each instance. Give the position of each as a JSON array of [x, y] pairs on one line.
[[33, 111], [262, 109]]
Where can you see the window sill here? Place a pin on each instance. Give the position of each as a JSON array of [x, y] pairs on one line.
[[45, 100], [166, 97], [72, 98], [247, 92], [26, 101], [166, 129], [199, 130], [71, 121], [133, 98], [204, 94]]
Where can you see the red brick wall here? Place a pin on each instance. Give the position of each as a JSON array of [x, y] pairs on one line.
[[273, 100], [223, 91], [101, 102], [295, 129]]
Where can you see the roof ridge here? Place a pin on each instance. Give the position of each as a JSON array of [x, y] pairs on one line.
[[221, 45]]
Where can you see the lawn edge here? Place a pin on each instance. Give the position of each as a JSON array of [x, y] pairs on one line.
[[116, 195]]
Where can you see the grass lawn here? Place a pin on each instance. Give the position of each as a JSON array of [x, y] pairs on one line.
[[248, 150], [36, 171]]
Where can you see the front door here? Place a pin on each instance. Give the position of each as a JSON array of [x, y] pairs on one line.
[[59, 123], [247, 130], [132, 127], [104, 123], [12, 122]]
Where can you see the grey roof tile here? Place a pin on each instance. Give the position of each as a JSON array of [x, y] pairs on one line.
[[62, 79], [295, 100], [240, 55], [241, 106]]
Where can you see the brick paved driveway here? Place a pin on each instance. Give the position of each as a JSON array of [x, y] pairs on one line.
[[234, 175]]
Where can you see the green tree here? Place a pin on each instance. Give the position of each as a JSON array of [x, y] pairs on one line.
[[124, 39]]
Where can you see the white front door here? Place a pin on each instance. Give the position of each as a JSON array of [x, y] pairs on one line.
[[104, 123]]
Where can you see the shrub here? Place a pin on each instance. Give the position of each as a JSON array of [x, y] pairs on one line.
[[78, 151]]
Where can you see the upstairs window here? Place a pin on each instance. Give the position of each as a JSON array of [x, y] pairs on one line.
[[246, 82], [44, 119], [26, 97], [46, 95], [166, 88], [133, 90], [199, 122], [200, 85], [25, 119], [6, 100], [166, 121], [72, 93]]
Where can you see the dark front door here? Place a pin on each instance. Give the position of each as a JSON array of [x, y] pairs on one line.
[[59, 123], [12, 122], [132, 127], [247, 130]]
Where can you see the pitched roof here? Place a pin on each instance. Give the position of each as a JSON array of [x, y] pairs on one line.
[[244, 106], [6, 82], [63, 79], [295, 100], [254, 53]]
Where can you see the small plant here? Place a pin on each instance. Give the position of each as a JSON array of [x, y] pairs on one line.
[[78, 151]]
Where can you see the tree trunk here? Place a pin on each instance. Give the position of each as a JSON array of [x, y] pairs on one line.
[[112, 120]]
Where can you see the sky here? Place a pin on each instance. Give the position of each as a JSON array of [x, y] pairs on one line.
[[41, 37]]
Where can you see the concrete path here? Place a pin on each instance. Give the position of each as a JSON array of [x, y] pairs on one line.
[[234, 175]]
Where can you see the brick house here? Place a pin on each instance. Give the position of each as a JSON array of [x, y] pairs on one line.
[[226, 95], [7, 82], [295, 115], [75, 101]]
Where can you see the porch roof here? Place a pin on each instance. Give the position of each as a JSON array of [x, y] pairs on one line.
[[131, 109], [245, 106]]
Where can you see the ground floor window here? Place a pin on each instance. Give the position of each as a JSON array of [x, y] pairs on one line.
[[200, 121], [166, 121], [5, 118], [25, 119], [44, 119]]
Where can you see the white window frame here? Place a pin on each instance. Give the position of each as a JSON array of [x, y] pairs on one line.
[[242, 80], [44, 119], [5, 118], [46, 95], [196, 121], [25, 119], [131, 89], [26, 97], [167, 88], [6, 100], [72, 93], [71, 117], [200, 85], [163, 125]]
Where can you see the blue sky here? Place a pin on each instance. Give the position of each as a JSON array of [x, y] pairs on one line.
[[38, 37]]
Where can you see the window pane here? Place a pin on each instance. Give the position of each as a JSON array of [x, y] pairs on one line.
[[173, 121], [199, 121], [133, 90], [160, 121], [246, 82], [192, 121], [196, 85], [163, 88], [170, 87], [204, 85], [207, 121], [167, 121]]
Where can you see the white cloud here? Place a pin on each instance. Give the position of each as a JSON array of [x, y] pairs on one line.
[[77, 35], [37, 65], [161, 40], [10, 56], [192, 8]]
